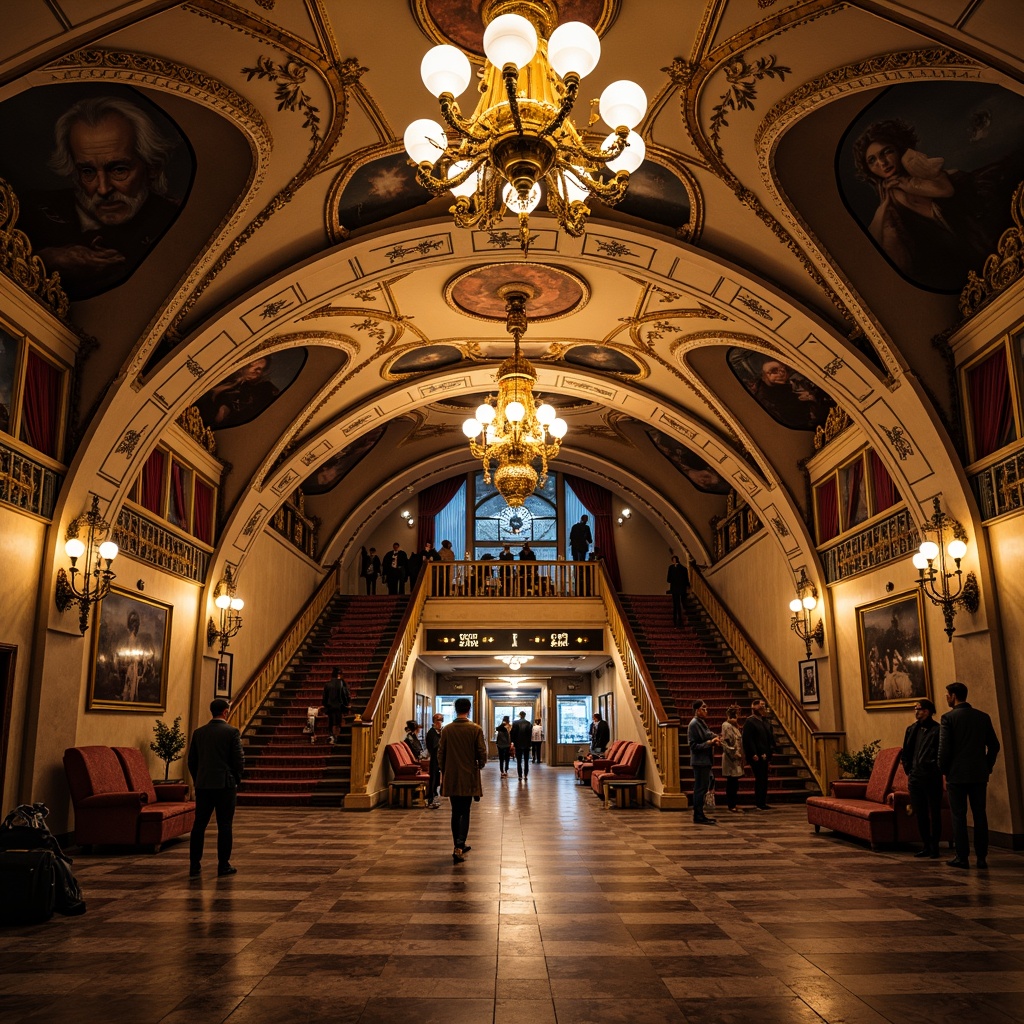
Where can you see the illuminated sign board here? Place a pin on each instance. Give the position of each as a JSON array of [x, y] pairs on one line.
[[528, 640]]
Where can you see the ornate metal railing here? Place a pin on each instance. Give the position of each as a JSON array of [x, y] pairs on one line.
[[513, 579], [894, 537], [737, 526], [368, 728], [255, 691], [1000, 488], [150, 542], [662, 731], [788, 713], [26, 484]]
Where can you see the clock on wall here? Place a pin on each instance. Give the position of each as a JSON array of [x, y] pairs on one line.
[[515, 521]]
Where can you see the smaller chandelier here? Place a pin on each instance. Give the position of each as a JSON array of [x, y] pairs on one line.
[[97, 553], [514, 661], [510, 431], [520, 133]]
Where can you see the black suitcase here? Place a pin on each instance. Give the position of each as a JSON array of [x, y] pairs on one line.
[[28, 886]]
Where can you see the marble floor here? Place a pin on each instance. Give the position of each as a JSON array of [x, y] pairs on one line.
[[562, 912]]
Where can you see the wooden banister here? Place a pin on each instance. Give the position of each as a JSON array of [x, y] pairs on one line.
[[259, 685]]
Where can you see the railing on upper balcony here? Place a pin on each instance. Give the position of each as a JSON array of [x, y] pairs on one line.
[[255, 691], [816, 748], [489, 578]]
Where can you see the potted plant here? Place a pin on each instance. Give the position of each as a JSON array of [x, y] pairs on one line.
[[858, 763], [169, 743]]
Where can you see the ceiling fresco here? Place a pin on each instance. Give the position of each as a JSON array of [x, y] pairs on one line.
[[787, 396], [247, 393]]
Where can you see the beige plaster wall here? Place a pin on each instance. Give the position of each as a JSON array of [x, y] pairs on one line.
[[22, 541]]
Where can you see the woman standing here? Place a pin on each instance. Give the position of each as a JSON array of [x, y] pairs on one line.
[[732, 757], [503, 741], [412, 740]]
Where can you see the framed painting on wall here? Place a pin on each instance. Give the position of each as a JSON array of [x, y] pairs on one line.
[[225, 667], [130, 640], [808, 675], [893, 657]]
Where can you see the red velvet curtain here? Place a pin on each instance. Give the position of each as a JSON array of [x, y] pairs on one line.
[[828, 510], [178, 514], [152, 487], [599, 500], [41, 408], [432, 500], [886, 494], [854, 493], [991, 407], [201, 517]]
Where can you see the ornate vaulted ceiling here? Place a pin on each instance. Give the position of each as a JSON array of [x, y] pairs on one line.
[[316, 304]]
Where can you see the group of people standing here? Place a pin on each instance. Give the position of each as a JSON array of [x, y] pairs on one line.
[[397, 567], [522, 737], [754, 744]]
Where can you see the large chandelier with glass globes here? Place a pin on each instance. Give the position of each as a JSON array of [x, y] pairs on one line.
[[520, 133], [510, 432]]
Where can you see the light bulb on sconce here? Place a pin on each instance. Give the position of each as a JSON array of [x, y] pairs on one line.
[[801, 607]]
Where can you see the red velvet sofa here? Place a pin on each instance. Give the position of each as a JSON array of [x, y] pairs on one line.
[[404, 766], [585, 769], [116, 803], [629, 764]]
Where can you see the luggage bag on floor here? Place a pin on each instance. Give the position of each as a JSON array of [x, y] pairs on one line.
[[28, 886]]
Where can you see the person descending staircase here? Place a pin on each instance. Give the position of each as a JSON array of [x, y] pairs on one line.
[[695, 663], [282, 767]]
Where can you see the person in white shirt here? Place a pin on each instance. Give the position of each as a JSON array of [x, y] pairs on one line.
[[536, 739]]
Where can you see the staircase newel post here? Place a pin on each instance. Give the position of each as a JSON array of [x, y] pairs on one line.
[[826, 746], [357, 798]]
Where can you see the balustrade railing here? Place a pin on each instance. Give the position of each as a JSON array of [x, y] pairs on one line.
[[788, 713], [255, 691], [513, 579]]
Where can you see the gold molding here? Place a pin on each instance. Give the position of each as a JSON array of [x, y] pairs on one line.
[[1002, 268], [21, 265]]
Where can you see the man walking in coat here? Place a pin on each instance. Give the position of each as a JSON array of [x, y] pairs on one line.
[[522, 738], [337, 701], [461, 754], [702, 742], [968, 749], [678, 585], [920, 759], [216, 763], [758, 747]]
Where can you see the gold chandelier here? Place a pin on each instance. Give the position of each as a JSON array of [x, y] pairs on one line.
[[520, 133], [510, 431]]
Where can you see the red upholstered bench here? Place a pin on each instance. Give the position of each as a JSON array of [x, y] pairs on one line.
[[860, 809], [630, 765], [112, 803], [409, 779], [585, 769]]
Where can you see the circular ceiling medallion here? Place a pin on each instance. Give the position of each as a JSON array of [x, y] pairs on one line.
[[553, 291], [459, 22]]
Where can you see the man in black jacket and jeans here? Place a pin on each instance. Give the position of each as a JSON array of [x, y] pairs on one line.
[[920, 759], [968, 749], [216, 763], [758, 747], [522, 737]]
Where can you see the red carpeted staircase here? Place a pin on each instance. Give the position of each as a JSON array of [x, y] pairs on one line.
[[694, 662], [282, 767]]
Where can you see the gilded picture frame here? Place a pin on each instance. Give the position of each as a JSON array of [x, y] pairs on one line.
[[810, 695], [893, 651], [130, 645]]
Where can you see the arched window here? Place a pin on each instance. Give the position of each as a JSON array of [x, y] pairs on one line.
[[496, 524]]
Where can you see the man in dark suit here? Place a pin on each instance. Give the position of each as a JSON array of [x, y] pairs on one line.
[[678, 585], [758, 747], [461, 754], [920, 759], [395, 565], [600, 734], [968, 749], [522, 738], [216, 764]]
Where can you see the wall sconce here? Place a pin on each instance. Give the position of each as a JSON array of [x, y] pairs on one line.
[[230, 613], [96, 575], [624, 515], [933, 580], [801, 607], [408, 517]]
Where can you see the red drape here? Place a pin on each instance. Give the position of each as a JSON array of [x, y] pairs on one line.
[[828, 510], [432, 500], [179, 513], [202, 507], [886, 494], [854, 492], [991, 408], [42, 404], [152, 487], [599, 500]]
